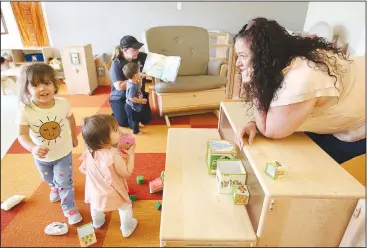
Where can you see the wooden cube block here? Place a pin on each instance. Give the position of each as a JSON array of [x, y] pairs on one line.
[[133, 198], [218, 149], [140, 179], [158, 206], [241, 194], [229, 173], [274, 169]]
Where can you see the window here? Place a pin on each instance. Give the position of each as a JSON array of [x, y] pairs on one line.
[[4, 30]]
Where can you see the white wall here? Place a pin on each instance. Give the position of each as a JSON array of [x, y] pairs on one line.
[[102, 24], [12, 39], [348, 17]]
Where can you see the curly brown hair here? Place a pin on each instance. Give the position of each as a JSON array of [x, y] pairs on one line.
[[273, 49]]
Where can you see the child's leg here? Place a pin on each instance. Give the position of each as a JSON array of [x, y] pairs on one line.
[[64, 182], [47, 175], [98, 217], [133, 123], [128, 223], [135, 126]]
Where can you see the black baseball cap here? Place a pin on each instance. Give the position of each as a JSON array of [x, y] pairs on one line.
[[130, 41]]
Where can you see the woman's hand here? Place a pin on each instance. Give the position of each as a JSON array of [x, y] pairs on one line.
[[142, 75], [250, 130]]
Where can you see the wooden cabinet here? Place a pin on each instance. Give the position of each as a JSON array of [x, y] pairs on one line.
[[311, 205], [79, 69]]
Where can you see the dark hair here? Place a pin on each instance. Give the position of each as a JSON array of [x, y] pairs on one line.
[[35, 74], [130, 69], [2, 59], [273, 49], [96, 131]]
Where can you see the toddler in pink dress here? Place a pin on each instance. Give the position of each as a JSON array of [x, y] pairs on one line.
[[106, 169]]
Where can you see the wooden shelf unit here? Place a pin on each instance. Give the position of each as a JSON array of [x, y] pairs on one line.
[[219, 43], [18, 54]]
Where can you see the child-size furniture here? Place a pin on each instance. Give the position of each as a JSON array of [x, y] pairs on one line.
[[311, 205], [79, 69]]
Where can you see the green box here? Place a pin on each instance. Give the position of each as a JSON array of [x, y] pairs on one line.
[[158, 205], [133, 198], [218, 149], [140, 179]]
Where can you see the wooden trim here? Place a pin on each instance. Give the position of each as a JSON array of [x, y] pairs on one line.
[[31, 24], [3, 24], [207, 243], [220, 45]]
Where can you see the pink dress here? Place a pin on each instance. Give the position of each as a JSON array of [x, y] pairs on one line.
[[105, 185]]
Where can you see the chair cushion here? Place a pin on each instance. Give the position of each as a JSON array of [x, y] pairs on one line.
[[190, 43], [191, 83]]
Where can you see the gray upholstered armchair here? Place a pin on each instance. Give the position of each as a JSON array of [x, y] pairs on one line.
[[199, 87]]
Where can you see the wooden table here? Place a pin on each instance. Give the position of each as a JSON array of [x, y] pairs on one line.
[[311, 205], [193, 213]]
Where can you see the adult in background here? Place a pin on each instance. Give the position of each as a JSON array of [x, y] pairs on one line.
[[127, 51]]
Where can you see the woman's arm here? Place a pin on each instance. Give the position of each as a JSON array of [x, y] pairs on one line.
[[282, 121], [117, 77], [120, 85]]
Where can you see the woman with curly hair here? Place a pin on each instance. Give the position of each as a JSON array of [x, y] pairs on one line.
[[302, 84]]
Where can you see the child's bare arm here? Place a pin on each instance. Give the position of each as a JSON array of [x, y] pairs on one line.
[[122, 168], [25, 140], [72, 124]]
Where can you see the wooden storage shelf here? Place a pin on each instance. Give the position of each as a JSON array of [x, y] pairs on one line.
[[18, 54], [219, 45]]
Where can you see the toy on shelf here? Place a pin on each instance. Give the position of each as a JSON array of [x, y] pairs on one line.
[[241, 194], [229, 173], [126, 141], [86, 235], [274, 169], [218, 149], [133, 198], [140, 179]]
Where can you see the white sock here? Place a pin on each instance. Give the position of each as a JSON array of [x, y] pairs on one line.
[[98, 218], [126, 216]]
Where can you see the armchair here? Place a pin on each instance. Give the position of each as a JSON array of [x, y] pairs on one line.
[[200, 84]]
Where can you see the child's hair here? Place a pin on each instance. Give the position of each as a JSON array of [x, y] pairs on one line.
[[116, 53], [96, 131], [130, 69], [35, 74], [2, 59]]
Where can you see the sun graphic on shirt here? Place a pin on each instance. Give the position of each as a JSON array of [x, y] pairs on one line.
[[50, 130]]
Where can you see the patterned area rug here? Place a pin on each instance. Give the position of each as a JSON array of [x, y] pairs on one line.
[[24, 225]]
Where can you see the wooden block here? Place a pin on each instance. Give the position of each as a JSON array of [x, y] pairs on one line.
[[274, 169], [140, 179], [133, 198], [158, 206]]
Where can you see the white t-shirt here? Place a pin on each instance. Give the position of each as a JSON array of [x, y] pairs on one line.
[[49, 128]]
